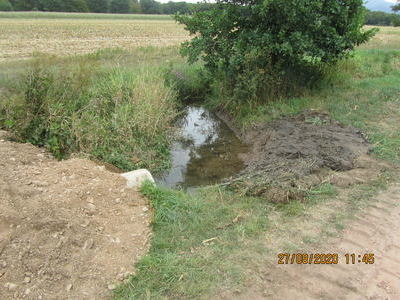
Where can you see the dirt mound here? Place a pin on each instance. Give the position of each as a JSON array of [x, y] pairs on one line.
[[294, 153], [310, 136], [68, 229]]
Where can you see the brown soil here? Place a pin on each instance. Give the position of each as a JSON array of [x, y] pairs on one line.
[[375, 230], [68, 229], [293, 154]]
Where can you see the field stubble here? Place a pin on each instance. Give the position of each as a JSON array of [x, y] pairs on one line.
[[21, 38]]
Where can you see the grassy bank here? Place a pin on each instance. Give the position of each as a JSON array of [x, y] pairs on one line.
[[91, 105]]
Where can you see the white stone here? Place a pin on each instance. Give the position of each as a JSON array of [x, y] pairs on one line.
[[136, 178]]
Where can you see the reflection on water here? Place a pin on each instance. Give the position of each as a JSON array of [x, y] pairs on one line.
[[206, 152]]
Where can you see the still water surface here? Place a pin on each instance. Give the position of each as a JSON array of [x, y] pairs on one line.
[[206, 151]]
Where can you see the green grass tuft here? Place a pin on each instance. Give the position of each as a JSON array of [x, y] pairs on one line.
[[181, 263]]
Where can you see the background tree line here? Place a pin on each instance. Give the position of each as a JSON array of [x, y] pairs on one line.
[[378, 18], [98, 6]]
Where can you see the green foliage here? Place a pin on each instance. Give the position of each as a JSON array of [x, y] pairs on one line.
[[120, 6], [102, 6], [396, 7], [150, 6], [189, 81], [380, 18], [24, 5], [135, 7], [180, 265], [110, 114], [5, 5], [396, 18], [396, 21], [98, 6], [75, 6], [171, 8], [259, 48], [51, 5]]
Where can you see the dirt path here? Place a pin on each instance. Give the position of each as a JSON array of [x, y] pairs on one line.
[[375, 230], [68, 230]]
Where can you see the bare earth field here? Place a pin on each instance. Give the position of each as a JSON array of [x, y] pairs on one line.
[[21, 37]]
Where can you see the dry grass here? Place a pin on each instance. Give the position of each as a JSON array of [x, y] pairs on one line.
[[22, 37], [388, 38]]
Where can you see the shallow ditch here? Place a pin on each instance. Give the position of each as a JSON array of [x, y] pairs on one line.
[[206, 151]]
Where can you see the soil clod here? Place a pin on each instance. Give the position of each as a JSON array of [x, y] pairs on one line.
[[295, 153]]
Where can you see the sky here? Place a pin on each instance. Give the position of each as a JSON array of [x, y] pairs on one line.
[[383, 5]]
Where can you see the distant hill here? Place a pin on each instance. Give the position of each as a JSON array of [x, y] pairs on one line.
[[380, 5]]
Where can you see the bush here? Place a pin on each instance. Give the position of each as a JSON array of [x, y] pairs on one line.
[[5, 5], [396, 21], [122, 117], [258, 48]]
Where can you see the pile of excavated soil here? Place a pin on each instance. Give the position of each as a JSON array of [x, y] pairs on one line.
[[68, 230], [293, 154], [311, 136]]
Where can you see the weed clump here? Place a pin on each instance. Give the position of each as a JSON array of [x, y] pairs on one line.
[[118, 116]]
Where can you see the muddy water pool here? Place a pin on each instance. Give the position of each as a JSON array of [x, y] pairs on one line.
[[205, 152]]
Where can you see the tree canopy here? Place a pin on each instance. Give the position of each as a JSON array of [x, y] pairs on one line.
[[255, 43], [396, 7], [5, 5]]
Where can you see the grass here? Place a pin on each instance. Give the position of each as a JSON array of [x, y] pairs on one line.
[[213, 240], [365, 94], [387, 39], [196, 240], [90, 105]]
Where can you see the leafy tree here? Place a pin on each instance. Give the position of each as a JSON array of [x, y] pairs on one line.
[[98, 6], [25, 5], [379, 18], [120, 6], [5, 5], [63, 5], [171, 8], [135, 6], [396, 19], [50, 5], [75, 6], [396, 7], [254, 45], [150, 6]]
